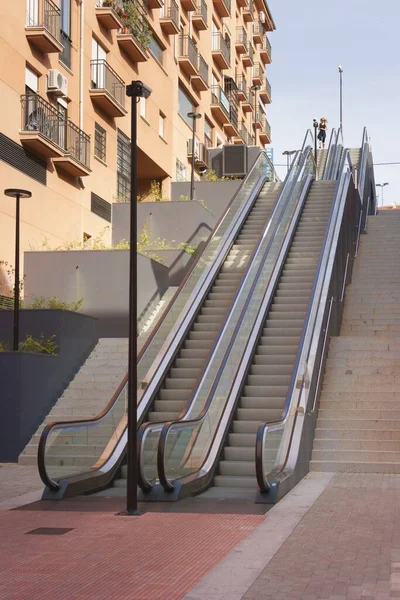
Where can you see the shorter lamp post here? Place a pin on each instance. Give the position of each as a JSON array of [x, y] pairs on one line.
[[194, 116], [17, 194], [288, 153], [382, 185], [255, 89]]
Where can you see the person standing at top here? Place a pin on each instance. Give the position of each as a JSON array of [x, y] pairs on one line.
[[322, 127]]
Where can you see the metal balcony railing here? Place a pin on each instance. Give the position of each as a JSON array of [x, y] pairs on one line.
[[241, 36], [219, 97], [40, 116], [105, 78], [44, 13], [188, 49], [219, 43], [203, 68], [267, 87], [267, 46], [202, 10], [170, 10], [265, 126], [258, 71], [258, 29], [65, 54], [138, 27], [250, 52]]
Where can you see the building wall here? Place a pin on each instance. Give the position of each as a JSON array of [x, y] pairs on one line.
[[60, 211]]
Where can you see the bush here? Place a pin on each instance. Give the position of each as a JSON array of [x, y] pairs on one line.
[[53, 303], [37, 345]]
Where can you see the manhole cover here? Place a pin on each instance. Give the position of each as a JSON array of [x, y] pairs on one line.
[[50, 531]]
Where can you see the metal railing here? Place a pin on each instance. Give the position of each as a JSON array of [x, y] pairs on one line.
[[188, 49], [258, 29], [219, 44], [258, 71], [219, 97], [44, 13], [202, 10], [65, 54], [250, 52], [105, 78], [138, 26], [266, 88], [170, 10], [265, 126], [241, 36], [41, 116], [203, 68], [267, 46], [249, 8]]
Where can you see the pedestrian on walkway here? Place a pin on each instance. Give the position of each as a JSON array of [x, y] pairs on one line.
[[322, 127]]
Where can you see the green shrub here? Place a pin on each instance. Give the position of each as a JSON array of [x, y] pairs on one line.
[[53, 303], [39, 345]]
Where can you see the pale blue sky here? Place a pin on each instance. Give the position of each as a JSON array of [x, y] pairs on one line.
[[364, 37]]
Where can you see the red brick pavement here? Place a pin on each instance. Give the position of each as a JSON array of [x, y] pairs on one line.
[[157, 556]]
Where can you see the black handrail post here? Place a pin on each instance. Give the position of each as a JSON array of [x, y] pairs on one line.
[[315, 125], [135, 90], [17, 194]]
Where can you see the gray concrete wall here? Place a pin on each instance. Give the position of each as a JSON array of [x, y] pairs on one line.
[[30, 384], [100, 277]]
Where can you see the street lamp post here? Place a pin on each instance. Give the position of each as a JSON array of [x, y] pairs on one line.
[[194, 116], [340, 68], [255, 89], [135, 90], [382, 185], [288, 153], [17, 194]]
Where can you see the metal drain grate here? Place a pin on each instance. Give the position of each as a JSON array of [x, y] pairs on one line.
[[50, 531]]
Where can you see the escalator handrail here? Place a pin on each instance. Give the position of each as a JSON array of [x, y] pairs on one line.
[[145, 428], [363, 163], [331, 149], [46, 479], [280, 423], [179, 423]]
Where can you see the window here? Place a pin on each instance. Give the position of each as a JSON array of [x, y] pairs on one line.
[[100, 142], [143, 107], [185, 105], [156, 48], [31, 81], [65, 33], [161, 125], [180, 171], [99, 56], [207, 133], [32, 13], [123, 167]]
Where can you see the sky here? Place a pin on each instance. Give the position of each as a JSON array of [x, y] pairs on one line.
[[312, 39]]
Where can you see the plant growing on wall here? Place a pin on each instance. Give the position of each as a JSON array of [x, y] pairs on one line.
[[55, 303], [5, 298], [39, 345], [135, 23]]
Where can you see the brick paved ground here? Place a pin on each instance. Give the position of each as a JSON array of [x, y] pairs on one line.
[[157, 556], [16, 480], [347, 546]]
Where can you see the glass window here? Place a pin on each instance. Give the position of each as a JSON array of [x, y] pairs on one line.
[[143, 107], [65, 7], [180, 170], [161, 123], [31, 81], [123, 167], [207, 133], [100, 142], [156, 49], [185, 105]]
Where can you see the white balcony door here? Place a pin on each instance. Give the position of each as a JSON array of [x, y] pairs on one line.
[[98, 68], [32, 13]]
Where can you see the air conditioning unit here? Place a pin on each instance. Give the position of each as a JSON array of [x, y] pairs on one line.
[[196, 149], [234, 161], [262, 16], [56, 83]]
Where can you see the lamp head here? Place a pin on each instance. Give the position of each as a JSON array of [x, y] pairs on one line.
[[340, 69], [194, 115], [137, 89], [17, 193]]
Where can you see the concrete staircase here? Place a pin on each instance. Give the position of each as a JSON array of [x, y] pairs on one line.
[[358, 426]]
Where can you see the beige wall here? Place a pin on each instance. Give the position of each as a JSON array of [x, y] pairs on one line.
[[61, 210]]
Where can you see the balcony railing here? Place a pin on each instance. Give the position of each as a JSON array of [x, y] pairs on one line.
[[40, 116], [203, 68], [170, 11], [248, 56], [219, 97], [188, 49], [258, 73], [241, 36], [201, 14], [219, 44], [105, 78], [265, 126], [265, 92], [223, 7], [65, 55], [44, 13], [267, 46]]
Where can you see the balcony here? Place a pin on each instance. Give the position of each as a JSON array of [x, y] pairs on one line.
[[200, 80], [221, 51], [42, 26], [201, 154], [46, 133], [242, 3], [266, 51], [232, 127], [258, 74], [199, 17], [248, 57], [153, 3], [258, 32], [241, 40], [265, 131], [188, 55], [65, 54], [169, 18], [241, 88], [189, 5], [222, 7], [243, 135], [248, 104], [132, 41], [107, 14], [258, 117], [248, 12], [265, 92], [220, 107], [107, 90]]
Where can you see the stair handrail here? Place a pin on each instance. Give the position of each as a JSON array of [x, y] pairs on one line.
[[161, 453], [300, 374], [333, 140], [92, 421]]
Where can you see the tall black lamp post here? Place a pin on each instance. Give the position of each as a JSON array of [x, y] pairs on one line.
[[194, 116], [255, 89], [340, 68], [136, 90], [288, 153], [17, 194]]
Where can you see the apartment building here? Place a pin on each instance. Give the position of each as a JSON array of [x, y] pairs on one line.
[[65, 123]]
